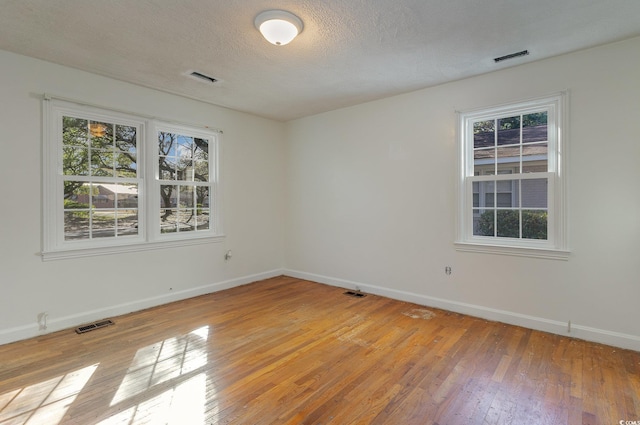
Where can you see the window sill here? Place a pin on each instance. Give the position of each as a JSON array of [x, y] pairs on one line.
[[121, 249], [549, 254]]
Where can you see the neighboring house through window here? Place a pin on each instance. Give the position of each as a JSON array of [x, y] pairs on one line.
[[511, 197]]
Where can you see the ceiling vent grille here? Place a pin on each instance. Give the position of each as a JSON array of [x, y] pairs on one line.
[[201, 77], [511, 56], [93, 326]]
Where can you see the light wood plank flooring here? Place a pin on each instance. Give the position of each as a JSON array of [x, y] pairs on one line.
[[287, 351]]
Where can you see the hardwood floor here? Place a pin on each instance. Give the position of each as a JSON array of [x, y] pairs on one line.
[[286, 351]]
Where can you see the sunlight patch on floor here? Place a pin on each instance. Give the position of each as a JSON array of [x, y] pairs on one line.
[[44, 403], [163, 361], [183, 404]]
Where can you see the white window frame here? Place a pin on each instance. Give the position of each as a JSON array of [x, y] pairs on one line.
[[556, 245], [215, 222], [54, 245]]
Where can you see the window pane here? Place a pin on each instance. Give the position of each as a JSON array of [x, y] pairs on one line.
[[509, 157], [532, 168], [102, 163], [508, 224], [483, 134], [483, 222], [103, 224], [509, 130], [103, 200], [476, 194], [201, 149], [186, 220], [102, 197], [486, 195], [535, 158], [76, 195], [76, 225], [166, 144], [184, 170], [507, 196], [184, 147], [177, 220], [484, 161], [127, 222], [534, 224], [534, 127], [167, 168], [201, 171], [126, 138], [203, 218], [186, 196], [168, 196], [505, 200], [75, 161], [74, 132], [505, 185], [127, 195], [202, 196], [534, 193], [101, 135], [168, 221], [126, 165]]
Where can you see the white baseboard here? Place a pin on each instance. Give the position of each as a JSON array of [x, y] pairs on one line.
[[31, 330], [617, 339]]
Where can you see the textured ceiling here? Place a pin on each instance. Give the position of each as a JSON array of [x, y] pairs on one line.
[[350, 51]]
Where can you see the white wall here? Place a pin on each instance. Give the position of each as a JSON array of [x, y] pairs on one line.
[[359, 196], [371, 193], [79, 290]]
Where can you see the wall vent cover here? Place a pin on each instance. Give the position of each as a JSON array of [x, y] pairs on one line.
[[93, 326]]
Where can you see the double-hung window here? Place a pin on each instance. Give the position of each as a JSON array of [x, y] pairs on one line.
[[511, 191], [117, 182], [185, 180]]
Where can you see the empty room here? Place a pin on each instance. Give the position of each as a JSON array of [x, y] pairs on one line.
[[320, 212]]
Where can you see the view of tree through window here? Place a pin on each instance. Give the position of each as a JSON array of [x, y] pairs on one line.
[[116, 181], [184, 182], [99, 164]]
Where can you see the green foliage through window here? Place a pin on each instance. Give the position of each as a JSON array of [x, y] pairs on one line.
[[534, 224]]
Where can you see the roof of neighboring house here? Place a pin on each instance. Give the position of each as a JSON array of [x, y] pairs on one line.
[[508, 143], [120, 189], [486, 139]]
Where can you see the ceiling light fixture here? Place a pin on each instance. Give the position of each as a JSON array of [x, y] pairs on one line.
[[279, 27]]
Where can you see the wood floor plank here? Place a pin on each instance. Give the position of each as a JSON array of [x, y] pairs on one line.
[[289, 351]]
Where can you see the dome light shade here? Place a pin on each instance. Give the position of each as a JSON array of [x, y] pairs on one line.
[[279, 27]]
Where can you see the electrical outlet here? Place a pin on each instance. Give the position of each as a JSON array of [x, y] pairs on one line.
[[228, 255], [447, 270]]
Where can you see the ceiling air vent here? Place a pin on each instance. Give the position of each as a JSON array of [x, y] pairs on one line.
[[511, 56], [200, 77]]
